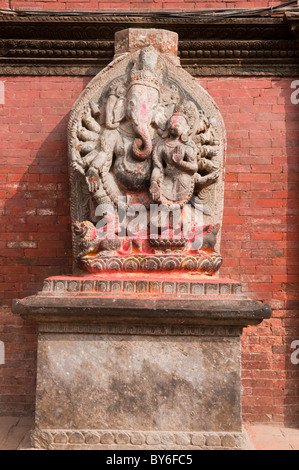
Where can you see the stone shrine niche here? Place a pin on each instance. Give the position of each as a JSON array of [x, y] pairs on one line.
[[144, 136]]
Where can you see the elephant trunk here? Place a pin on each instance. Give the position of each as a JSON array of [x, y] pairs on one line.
[[141, 103], [142, 145]]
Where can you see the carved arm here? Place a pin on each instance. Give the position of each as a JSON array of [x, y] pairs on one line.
[[90, 122]]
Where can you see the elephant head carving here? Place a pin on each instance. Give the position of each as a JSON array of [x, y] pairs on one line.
[[137, 100]]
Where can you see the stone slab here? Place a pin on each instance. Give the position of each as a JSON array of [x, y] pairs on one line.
[[71, 299], [273, 437], [14, 431], [138, 383]]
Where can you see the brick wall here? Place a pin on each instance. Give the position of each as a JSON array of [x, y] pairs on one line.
[[260, 231], [142, 5], [34, 215]]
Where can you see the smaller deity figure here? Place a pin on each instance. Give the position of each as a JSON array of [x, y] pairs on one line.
[[175, 163]]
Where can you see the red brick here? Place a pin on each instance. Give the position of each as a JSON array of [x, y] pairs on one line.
[[260, 231], [255, 177]]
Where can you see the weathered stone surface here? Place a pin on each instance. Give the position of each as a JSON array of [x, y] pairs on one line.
[[228, 441], [137, 438], [76, 438], [159, 383], [213, 441], [198, 440], [61, 438], [153, 439], [122, 438], [167, 438], [183, 439], [92, 438]]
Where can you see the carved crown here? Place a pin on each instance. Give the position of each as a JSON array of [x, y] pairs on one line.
[[148, 69]]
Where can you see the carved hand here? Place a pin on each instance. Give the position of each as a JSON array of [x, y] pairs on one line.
[[209, 166], [77, 167], [93, 180], [205, 181], [209, 151], [178, 154], [155, 191]]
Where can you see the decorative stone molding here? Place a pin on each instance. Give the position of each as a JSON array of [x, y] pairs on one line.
[[70, 45], [229, 332], [144, 263], [73, 286], [93, 439]]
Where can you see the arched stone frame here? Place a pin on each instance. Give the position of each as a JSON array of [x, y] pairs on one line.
[[96, 91]]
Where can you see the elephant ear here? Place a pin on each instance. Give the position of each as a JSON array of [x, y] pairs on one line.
[[119, 111], [160, 118]]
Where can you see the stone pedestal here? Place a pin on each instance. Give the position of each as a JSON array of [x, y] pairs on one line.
[[141, 350], [128, 370]]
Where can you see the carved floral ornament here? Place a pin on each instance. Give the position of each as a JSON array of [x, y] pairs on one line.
[[143, 136]]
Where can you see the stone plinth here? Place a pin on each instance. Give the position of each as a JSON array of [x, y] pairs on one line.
[[139, 371]]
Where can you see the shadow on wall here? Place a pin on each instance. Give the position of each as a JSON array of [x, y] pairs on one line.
[[35, 216]]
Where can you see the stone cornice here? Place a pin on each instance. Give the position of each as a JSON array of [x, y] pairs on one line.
[[75, 45]]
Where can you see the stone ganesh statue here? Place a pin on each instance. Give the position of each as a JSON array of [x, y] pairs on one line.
[[144, 140]]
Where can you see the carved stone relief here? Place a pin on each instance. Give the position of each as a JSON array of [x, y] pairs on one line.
[[144, 136]]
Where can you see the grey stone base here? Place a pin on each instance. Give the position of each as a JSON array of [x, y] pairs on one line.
[[60, 439], [139, 373]]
